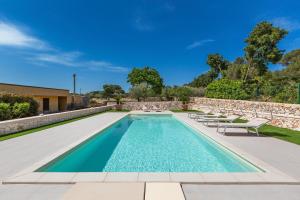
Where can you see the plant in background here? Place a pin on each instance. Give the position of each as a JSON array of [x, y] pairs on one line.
[[20, 110], [204, 79], [11, 99], [226, 89], [141, 91], [5, 111], [217, 63], [262, 48], [184, 93], [147, 75], [110, 91]]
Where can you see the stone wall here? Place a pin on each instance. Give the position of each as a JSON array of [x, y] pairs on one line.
[[279, 114], [162, 105], [16, 125]]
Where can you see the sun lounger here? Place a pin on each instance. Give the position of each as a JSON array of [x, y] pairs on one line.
[[156, 109], [145, 109], [212, 121], [253, 123], [196, 114]]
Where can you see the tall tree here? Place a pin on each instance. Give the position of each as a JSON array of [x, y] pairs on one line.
[[111, 91], [262, 47], [204, 79], [217, 63], [147, 75]]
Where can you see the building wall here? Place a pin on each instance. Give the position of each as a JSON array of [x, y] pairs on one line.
[[78, 100], [53, 103], [38, 93], [32, 91]]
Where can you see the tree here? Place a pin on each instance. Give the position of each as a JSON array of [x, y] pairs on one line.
[[217, 63], [140, 91], [291, 57], [262, 47], [167, 93], [112, 91], [146, 75], [204, 79]]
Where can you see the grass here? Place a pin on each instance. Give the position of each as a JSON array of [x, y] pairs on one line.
[[29, 131], [280, 133], [180, 110], [123, 110]]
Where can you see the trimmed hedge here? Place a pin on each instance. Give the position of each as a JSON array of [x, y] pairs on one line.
[[14, 106]]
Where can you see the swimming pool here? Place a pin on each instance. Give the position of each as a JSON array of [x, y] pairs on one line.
[[149, 143]]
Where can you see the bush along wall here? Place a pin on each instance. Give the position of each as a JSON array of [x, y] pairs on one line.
[[226, 89], [14, 106]]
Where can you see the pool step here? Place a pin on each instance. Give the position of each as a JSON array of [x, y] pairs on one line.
[[164, 191], [106, 191]]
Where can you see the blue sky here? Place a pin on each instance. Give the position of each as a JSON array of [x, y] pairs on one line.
[[44, 42]]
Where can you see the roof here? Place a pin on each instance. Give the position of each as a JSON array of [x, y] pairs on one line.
[[33, 86]]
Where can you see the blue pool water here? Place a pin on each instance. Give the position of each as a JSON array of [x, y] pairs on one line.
[[149, 143]]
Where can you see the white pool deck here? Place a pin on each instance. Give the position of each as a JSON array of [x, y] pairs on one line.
[[19, 157]]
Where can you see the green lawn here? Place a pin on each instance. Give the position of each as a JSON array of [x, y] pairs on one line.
[[280, 133], [18, 134], [180, 110]]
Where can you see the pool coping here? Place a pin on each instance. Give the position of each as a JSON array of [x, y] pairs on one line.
[[270, 175]]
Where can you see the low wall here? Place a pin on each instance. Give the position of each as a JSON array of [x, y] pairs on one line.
[[279, 114], [16, 125], [163, 105]]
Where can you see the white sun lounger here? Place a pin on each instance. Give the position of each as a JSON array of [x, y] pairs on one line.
[[156, 109], [145, 109], [253, 123], [196, 114], [211, 121]]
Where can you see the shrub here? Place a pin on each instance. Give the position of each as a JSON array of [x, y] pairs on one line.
[[184, 94], [226, 89], [5, 111], [12, 99], [20, 110]]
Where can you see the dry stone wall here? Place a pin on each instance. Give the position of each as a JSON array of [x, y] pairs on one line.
[[279, 114], [163, 105], [16, 125]]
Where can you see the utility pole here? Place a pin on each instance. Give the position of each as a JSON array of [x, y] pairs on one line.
[[74, 91], [298, 94]]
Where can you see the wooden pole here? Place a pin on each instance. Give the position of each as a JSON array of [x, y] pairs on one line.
[[298, 94]]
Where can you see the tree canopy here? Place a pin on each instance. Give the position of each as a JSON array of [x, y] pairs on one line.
[[217, 63], [146, 75], [248, 77], [112, 91], [262, 47]]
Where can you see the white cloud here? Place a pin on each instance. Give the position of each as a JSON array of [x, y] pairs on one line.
[[73, 59], [286, 23], [13, 36], [198, 43]]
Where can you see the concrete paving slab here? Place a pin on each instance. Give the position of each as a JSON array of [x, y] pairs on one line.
[[89, 177], [186, 177], [163, 191], [105, 191], [32, 192], [121, 177], [241, 192], [154, 177]]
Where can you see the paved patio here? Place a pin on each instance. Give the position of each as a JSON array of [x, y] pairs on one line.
[[19, 153]]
